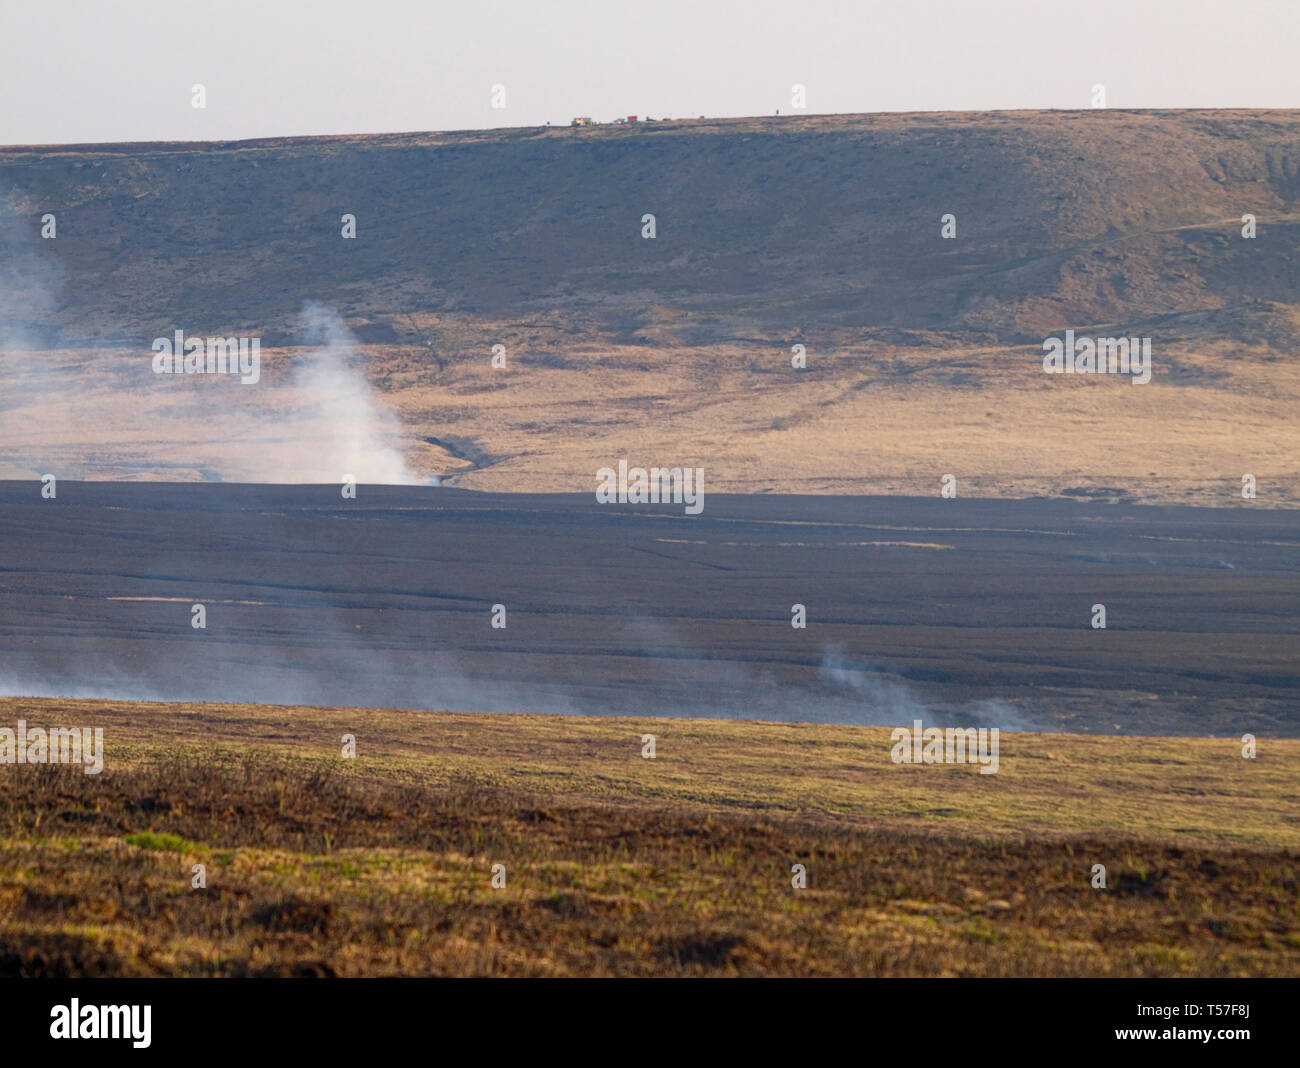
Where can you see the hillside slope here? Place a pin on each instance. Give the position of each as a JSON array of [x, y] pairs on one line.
[[924, 354]]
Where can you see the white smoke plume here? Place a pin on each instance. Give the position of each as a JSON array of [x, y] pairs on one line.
[[888, 702], [30, 282], [87, 413], [334, 423]]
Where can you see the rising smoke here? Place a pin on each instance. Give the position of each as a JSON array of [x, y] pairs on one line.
[[96, 410], [331, 423], [312, 418], [887, 701]]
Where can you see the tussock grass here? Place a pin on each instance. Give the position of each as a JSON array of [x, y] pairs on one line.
[[617, 865]]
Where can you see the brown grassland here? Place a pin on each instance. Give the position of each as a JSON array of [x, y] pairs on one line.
[[620, 865], [923, 355]]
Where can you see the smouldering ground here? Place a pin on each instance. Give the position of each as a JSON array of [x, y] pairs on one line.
[[616, 864]]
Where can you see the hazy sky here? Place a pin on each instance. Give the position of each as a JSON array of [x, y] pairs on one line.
[[93, 70]]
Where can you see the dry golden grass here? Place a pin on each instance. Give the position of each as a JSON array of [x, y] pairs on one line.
[[620, 865], [864, 420], [924, 356]]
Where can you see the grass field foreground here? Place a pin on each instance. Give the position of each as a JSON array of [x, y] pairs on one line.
[[613, 863]]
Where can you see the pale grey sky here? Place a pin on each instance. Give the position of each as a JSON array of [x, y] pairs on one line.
[[90, 70]]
